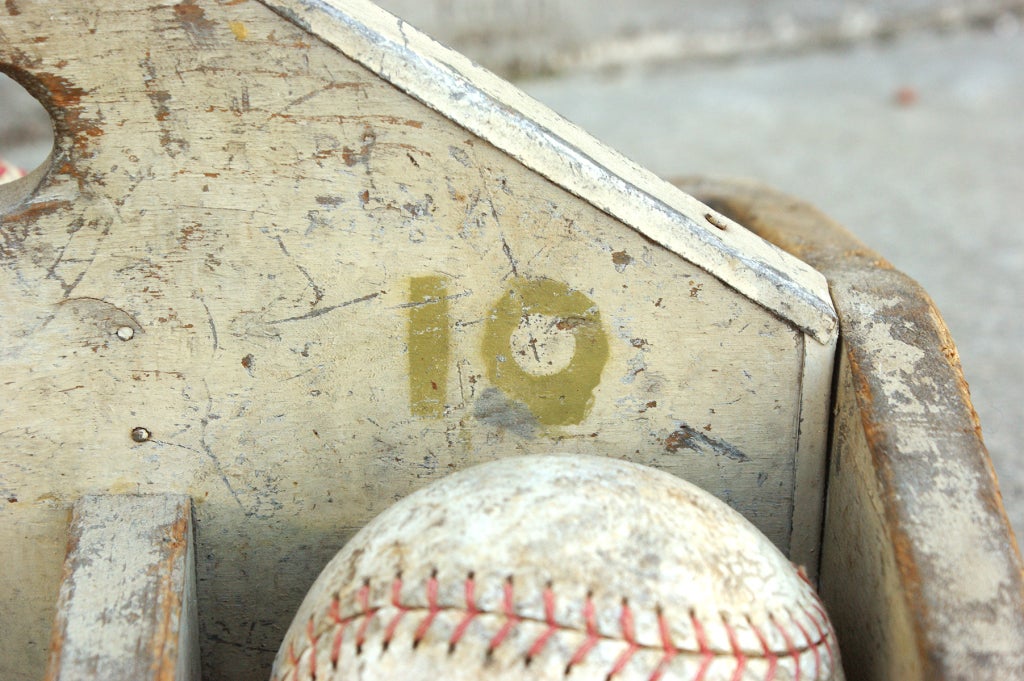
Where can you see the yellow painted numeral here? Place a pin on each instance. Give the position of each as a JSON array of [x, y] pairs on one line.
[[428, 345], [543, 345], [544, 307]]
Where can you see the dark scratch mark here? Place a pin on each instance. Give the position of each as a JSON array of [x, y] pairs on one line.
[[320, 90], [508, 254], [68, 288], [51, 271], [172, 144], [213, 458], [213, 327], [428, 301], [325, 310], [318, 292]]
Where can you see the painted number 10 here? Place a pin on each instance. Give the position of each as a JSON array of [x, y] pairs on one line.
[[543, 344]]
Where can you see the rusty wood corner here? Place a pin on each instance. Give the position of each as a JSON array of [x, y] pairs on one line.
[[956, 573]]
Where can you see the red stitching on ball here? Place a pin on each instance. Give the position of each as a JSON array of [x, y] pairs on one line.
[[629, 634], [824, 627], [590, 616], [769, 654], [824, 632], [311, 637], [511, 618], [365, 611], [342, 624], [471, 611], [396, 592], [666, 644], [432, 609], [809, 644], [737, 652], [293, 660], [549, 619], [790, 647], [706, 655], [363, 597]]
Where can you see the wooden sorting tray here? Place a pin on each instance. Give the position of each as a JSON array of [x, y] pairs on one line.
[[291, 260]]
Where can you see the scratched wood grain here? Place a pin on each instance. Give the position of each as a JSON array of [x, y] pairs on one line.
[[239, 276]]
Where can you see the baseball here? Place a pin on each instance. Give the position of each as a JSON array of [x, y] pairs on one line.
[[559, 567]]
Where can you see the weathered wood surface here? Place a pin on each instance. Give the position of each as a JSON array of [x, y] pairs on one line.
[[127, 606], [920, 568], [258, 274], [548, 144]]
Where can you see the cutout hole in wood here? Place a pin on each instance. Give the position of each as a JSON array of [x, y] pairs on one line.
[[26, 141]]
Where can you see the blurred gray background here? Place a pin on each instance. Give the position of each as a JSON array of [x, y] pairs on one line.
[[900, 119]]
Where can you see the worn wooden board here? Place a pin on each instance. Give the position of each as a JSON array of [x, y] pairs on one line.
[[127, 605], [920, 569], [259, 274]]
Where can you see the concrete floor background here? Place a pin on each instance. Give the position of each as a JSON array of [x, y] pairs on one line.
[[915, 143]]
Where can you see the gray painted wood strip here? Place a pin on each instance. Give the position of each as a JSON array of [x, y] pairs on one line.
[[126, 610]]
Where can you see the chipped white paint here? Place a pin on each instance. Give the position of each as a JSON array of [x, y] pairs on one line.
[[554, 567], [127, 602]]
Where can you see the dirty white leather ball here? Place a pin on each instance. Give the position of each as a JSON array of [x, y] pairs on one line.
[[559, 567]]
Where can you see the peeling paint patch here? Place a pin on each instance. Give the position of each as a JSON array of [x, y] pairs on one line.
[[495, 409], [172, 143], [193, 19], [239, 29], [353, 157], [621, 259], [685, 437]]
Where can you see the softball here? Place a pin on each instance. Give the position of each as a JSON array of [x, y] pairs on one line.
[[560, 567]]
